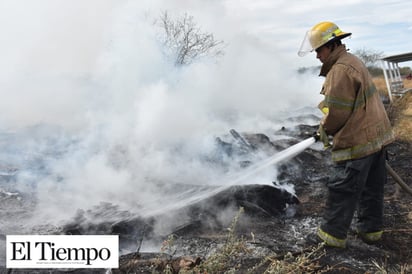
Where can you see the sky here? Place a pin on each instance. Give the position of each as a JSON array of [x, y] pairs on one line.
[[94, 71], [382, 26]]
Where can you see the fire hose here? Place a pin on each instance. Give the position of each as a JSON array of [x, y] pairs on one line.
[[298, 148], [398, 179]]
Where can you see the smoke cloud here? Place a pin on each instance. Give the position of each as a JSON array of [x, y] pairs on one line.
[[114, 118]]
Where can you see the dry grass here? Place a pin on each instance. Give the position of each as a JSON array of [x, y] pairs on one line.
[[407, 83], [381, 84], [400, 110]]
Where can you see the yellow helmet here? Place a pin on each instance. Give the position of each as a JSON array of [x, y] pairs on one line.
[[319, 35]]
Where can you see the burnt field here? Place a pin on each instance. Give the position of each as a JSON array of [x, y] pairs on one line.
[[244, 228], [257, 241]]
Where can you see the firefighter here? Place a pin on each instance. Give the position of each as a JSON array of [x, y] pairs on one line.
[[355, 117]]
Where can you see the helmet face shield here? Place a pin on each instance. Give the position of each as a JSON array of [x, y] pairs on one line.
[[306, 46], [319, 35]]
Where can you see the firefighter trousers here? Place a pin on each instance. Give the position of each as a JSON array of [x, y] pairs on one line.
[[356, 185]]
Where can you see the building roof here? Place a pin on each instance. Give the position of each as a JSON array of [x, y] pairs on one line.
[[403, 57]]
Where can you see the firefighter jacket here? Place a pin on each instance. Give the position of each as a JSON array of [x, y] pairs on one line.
[[356, 117]]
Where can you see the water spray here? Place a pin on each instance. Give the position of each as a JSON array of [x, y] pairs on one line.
[[281, 156]]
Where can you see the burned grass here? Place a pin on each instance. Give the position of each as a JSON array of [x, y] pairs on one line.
[[263, 244]]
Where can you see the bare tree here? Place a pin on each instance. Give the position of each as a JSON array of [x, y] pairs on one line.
[[184, 39], [369, 57]]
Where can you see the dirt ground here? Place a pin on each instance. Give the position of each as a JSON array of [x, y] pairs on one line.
[[393, 254]]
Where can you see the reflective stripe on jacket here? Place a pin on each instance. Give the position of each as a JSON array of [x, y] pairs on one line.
[[356, 119]]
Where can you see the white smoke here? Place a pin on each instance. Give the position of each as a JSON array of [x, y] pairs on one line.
[[128, 119]]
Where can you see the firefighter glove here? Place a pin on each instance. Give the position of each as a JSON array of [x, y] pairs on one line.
[[322, 136]]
